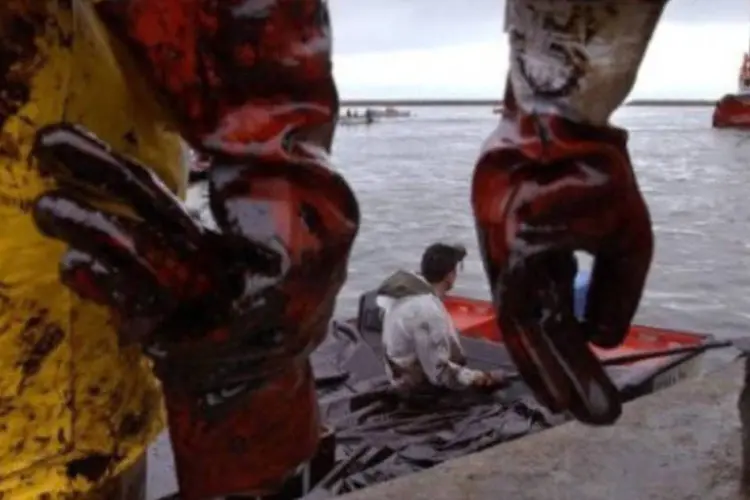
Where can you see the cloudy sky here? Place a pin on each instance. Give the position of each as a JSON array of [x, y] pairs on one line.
[[437, 49]]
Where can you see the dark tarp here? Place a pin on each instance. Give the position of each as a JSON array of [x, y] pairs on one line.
[[380, 437]]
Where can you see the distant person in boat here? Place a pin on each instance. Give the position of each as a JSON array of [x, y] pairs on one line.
[[420, 343]]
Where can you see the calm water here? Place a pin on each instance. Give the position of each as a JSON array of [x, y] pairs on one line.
[[412, 177]]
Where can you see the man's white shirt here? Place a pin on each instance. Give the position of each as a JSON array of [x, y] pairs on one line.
[[421, 344]]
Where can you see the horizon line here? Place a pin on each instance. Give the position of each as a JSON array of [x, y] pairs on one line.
[[498, 102]]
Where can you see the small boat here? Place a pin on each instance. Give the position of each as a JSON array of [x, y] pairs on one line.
[[390, 112], [349, 120], [372, 436], [732, 111]]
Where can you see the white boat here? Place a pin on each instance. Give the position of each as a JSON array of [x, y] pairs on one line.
[[346, 120], [390, 112]]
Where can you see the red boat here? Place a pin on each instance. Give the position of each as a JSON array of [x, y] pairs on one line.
[[733, 110], [483, 340], [475, 319]]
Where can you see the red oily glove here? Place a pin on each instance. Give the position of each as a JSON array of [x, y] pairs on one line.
[[228, 322], [535, 204], [554, 178], [229, 315]]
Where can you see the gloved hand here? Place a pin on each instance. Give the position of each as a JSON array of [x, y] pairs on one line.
[[555, 177], [228, 320], [552, 188]]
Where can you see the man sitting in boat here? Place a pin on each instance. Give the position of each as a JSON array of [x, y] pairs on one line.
[[420, 343]]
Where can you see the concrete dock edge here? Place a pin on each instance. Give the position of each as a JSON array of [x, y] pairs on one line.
[[680, 443]]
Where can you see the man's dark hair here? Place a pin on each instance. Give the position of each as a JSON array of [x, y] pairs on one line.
[[439, 260]]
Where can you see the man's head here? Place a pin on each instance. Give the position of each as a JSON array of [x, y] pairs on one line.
[[439, 264]]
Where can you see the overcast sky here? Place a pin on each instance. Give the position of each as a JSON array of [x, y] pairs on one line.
[[439, 49]]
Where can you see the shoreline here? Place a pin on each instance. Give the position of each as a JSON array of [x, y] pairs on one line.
[[497, 102]]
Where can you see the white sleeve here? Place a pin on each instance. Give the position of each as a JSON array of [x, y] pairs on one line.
[[431, 333]]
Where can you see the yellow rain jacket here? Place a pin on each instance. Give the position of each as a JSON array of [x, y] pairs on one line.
[[75, 409]]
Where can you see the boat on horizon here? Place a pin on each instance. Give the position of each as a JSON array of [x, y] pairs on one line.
[[354, 117], [733, 110], [390, 112], [361, 118], [346, 120]]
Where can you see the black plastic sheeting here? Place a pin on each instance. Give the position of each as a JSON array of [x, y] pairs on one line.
[[380, 437]]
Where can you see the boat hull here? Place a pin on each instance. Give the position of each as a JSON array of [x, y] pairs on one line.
[[476, 319], [732, 111]]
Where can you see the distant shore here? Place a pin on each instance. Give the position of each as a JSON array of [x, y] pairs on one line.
[[672, 103], [419, 102], [494, 103]]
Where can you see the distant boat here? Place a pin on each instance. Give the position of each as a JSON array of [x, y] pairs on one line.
[[348, 120], [498, 109], [733, 110], [390, 112]]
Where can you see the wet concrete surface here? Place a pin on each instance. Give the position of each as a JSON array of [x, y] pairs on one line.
[[411, 441], [681, 443]]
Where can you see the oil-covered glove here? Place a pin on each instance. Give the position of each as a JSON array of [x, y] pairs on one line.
[[228, 321], [532, 213], [555, 178], [228, 314]]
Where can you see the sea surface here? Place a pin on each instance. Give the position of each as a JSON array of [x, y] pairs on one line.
[[412, 178]]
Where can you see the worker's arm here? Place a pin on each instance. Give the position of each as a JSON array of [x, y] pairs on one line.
[[243, 79], [432, 332], [555, 177], [229, 313], [250, 86]]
